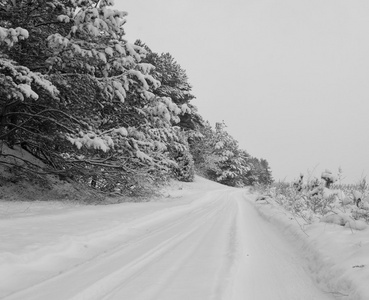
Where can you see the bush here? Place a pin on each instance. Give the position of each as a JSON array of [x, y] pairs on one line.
[[313, 201]]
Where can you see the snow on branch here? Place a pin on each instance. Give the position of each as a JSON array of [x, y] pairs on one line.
[[19, 80], [10, 36]]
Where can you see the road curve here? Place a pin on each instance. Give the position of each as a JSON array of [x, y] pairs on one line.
[[217, 248]]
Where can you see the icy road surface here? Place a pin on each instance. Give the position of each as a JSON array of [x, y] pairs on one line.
[[202, 245]]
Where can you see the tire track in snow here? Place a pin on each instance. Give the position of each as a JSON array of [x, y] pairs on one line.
[[217, 249], [233, 255], [117, 237], [172, 266], [271, 267], [109, 285], [193, 217], [198, 272]]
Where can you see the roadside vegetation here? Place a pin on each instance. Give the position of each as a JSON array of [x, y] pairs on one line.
[[323, 199]]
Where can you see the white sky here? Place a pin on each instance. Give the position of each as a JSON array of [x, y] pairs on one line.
[[290, 78]]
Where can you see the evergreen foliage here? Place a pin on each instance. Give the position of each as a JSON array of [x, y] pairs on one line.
[[100, 110], [259, 172], [174, 84], [218, 157]]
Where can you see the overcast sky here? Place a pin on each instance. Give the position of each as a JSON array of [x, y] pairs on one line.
[[290, 78]]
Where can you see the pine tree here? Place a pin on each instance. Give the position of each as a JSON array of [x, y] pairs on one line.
[[94, 113], [174, 84], [259, 172], [202, 144]]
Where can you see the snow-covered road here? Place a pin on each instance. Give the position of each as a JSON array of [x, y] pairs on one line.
[[204, 245]]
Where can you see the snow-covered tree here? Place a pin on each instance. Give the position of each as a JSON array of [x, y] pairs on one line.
[[174, 84], [97, 108], [201, 144], [232, 164], [218, 157], [91, 107], [259, 172]]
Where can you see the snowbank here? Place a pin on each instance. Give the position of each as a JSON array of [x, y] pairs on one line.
[[337, 256]]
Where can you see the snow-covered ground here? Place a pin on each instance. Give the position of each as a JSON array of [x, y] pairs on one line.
[[201, 241], [337, 256]]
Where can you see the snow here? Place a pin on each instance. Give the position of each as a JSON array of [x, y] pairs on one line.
[[143, 156], [185, 109], [63, 18], [145, 68], [102, 57], [200, 240], [336, 254], [120, 49], [11, 35], [109, 51], [122, 131], [3, 33], [23, 33], [131, 50], [327, 175], [140, 77], [27, 91]]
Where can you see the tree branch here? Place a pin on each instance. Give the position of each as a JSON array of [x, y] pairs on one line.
[[32, 117], [45, 111]]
